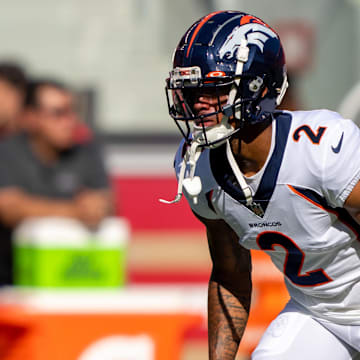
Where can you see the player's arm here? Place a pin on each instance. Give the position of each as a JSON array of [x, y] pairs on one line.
[[229, 290], [352, 203]]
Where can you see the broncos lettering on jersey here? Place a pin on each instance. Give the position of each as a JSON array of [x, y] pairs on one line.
[[298, 216]]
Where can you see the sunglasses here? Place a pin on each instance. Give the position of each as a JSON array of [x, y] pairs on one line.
[[58, 112]]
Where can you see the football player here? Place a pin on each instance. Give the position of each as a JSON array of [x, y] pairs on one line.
[[283, 182]]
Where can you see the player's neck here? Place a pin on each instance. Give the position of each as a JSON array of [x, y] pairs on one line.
[[252, 148]]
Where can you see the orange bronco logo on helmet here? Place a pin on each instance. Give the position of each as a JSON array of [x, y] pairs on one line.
[[251, 19], [247, 19]]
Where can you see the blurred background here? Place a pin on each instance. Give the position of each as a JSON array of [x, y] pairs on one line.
[[116, 56]]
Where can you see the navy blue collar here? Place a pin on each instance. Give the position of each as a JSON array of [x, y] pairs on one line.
[[226, 179]]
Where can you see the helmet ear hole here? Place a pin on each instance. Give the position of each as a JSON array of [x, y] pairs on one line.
[[256, 84]]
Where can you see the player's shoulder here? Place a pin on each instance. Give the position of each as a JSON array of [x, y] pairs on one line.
[[319, 126], [322, 117], [203, 168], [181, 151], [204, 172], [323, 143]]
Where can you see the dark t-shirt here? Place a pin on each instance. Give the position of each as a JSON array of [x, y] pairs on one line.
[[77, 168]]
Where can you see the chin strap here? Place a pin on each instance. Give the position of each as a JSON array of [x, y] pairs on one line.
[[192, 183], [238, 175], [250, 203]]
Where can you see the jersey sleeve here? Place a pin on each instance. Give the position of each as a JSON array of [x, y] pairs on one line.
[[341, 161]]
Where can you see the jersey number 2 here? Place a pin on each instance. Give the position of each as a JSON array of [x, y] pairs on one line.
[[315, 138], [294, 260]]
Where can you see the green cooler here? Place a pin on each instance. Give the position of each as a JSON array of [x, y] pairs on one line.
[[60, 252]]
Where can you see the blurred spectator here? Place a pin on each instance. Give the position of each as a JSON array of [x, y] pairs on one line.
[[12, 91], [45, 172]]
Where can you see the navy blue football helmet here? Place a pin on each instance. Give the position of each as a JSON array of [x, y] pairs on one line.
[[229, 52]]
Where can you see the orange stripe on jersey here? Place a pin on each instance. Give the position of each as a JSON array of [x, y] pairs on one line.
[[306, 198], [329, 210], [344, 221], [197, 29]]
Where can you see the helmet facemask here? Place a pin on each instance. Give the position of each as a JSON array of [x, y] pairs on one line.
[[231, 116], [251, 99], [181, 103], [254, 102]]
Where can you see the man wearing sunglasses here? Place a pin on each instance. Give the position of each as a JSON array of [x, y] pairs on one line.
[[45, 171]]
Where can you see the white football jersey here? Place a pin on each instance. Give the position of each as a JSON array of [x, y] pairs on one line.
[[312, 167]]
